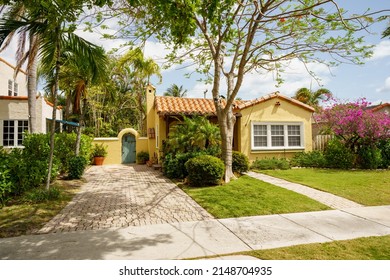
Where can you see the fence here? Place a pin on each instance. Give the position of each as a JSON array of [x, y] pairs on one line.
[[320, 141]]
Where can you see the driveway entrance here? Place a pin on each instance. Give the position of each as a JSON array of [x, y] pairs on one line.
[[125, 195]]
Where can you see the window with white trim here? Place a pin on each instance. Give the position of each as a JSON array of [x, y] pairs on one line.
[[13, 132], [274, 136], [13, 88]]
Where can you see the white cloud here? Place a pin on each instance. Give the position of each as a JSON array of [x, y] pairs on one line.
[[386, 87], [381, 50], [259, 84]]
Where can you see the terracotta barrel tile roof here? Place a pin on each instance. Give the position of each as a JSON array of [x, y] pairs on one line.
[[166, 105]]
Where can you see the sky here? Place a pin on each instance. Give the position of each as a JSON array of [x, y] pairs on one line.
[[346, 82]]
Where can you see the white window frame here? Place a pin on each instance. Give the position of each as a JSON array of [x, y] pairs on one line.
[[13, 88], [269, 146], [17, 124]]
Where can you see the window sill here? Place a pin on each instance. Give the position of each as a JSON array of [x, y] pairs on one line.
[[278, 149]]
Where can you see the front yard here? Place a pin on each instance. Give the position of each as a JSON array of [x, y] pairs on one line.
[[247, 196], [367, 248], [367, 187], [21, 217]]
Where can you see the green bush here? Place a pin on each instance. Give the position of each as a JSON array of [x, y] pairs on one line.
[[384, 147], [174, 164], [270, 163], [204, 170], [41, 195], [76, 167], [65, 149], [5, 177], [337, 155], [32, 172], [240, 162], [369, 157], [142, 157], [309, 159]]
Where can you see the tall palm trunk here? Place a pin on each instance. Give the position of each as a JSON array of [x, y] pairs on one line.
[[54, 114], [32, 95], [79, 129]]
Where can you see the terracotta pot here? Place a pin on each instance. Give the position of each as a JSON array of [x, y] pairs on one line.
[[98, 160]]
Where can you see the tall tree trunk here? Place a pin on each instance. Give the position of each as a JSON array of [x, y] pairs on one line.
[[53, 121], [32, 95], [226, 121], [79, 128]]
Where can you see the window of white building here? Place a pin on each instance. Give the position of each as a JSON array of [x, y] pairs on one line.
[[13, 132]]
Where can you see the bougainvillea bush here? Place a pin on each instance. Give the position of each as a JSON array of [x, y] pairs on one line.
[[359, 128]]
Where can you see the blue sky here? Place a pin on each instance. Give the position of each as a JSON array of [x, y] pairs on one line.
[[347, 82]]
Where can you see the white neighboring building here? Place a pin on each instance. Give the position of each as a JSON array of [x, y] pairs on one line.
[[14, 107]]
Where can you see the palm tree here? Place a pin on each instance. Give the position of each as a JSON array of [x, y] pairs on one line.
[[17, 11], [312, 98], [142, 69], [175, 91], [50, 21]]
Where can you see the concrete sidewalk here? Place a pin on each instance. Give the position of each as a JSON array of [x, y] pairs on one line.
[[201, 238]]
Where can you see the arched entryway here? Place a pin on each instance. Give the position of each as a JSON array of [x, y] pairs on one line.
[[128, 138], [128, 148]]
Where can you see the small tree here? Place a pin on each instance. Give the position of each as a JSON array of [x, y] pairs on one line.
[[228, 39]]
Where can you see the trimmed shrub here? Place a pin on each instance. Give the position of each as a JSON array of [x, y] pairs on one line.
[[142, 157], [240, 162], [338, 156], [270, 163], [204, 170], [76, 167], [369, 157], [309, 159], [174, 165]]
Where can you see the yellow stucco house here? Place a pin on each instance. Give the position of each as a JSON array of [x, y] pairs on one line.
[[270, 126]]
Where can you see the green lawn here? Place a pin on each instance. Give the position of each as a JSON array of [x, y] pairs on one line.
[[250, 197], [366, 187], [19, 217], [367, 248]]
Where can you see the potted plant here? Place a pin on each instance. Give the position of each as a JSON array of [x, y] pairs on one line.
[[142, 157], [99, 153]]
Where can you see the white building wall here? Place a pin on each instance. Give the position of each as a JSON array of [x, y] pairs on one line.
[[7, 73]]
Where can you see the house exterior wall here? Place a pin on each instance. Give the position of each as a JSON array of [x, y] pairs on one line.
[[151, 117], [270, 113], [16, 107], [6, 73]]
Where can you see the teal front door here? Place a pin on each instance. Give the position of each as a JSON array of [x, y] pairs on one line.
[[128, 148]]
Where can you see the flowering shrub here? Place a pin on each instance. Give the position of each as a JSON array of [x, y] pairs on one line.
[[356, 124], [360, 130]]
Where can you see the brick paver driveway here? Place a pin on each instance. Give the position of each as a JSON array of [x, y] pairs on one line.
[[125, 195]]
